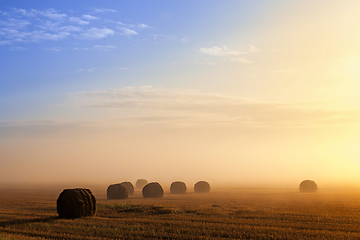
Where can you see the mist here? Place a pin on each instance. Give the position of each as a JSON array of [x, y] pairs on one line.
[[225, 156]]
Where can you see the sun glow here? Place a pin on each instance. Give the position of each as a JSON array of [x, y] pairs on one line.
[[345, 90], [349, 67]]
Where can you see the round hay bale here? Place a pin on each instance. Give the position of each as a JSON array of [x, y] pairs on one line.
[[129, 186], [117, 191], [308, 186], [178, 187], [152, 190], [140, 183], [76, 203], [202, 187]]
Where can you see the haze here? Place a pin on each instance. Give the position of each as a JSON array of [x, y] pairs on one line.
[[250, 93]]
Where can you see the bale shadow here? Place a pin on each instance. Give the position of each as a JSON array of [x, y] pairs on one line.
[[26, 221]]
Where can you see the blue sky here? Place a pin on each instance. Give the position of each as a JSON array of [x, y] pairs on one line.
[[49, 48], [185, 76]]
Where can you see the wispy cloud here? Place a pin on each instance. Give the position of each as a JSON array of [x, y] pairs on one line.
[[96, 33], [253, 49], [87, 70], [128, 32], [183, 108], [90, 17], [4, 42], [103, 48], [78, 20], [230, 54], [241, 60], [81, 49], [70, 29], [103, 10], [215, 108], [161, 37], [52, 14], [48, 13], [17, 49], [40, 35], [15, 23], [38, 128], [220, 51], [140, 25], [31, 25], [185, 39], [226, 51], [52, 49]]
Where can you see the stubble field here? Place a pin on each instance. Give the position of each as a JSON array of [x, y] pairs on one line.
[[233, 213]]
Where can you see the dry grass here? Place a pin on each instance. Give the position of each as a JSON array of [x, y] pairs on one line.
[[221, 214]]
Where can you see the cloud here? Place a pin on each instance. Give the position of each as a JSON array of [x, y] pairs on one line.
[[140, 25], [96, 33], [253, 49], [220, 51], [81, 49], [103, 10], [185, 39], [212, 108], [24, 12], [78, 20], [52, 14], [128, 32], [39, 25], [40, 35], [38, 128], [103, 48], [161, 37], [88, 70], [240, 60], [49, 26], [48, 13], [70, 29], [17, 49], [89, 17], [24, 26], [225, 51], [52, 49], [204, 62], [15, 23], [144, 97], [5, 42]]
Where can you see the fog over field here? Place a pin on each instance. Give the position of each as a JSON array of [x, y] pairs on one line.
[[87, 152], [237, 93]]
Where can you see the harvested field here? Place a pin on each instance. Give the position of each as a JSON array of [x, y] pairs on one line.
[[220, 214]]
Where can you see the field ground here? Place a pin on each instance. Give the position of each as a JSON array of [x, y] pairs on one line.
[[30, 213]]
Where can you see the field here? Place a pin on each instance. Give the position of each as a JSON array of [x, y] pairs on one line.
[[233, 213]]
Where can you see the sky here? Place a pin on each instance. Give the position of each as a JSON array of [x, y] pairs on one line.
[[247, 93]]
